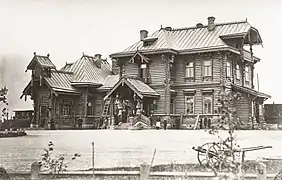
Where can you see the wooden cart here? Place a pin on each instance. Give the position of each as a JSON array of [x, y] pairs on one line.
[[220, 154]]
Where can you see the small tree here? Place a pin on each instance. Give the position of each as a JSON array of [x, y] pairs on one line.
[[51, 164], [226, 155]]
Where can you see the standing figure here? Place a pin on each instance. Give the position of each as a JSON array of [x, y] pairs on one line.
[[205, 122], [209, 123], [158, 123], [201, 124], [165, 124]]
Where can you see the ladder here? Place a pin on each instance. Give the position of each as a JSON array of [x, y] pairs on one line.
[[107, 104], [197, 121]]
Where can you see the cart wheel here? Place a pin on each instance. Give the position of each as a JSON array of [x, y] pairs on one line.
[[202, 158], [219, 156]]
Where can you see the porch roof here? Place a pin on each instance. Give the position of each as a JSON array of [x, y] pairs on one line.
[[139, 87], [251, 91]]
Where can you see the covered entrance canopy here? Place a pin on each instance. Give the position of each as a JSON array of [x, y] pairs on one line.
[[132, 98], [251, 91], [137, 86]]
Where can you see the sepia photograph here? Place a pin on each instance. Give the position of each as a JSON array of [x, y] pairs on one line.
[[140, 90]]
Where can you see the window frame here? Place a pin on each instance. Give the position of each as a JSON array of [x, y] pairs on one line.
[[90, 110], [172, 105], [207, 69], [238, 72], [247, 73], [192, 96], [205, 96], [228, 69], [190, 70]]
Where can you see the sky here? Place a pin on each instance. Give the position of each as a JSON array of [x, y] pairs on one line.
[[67, 28]]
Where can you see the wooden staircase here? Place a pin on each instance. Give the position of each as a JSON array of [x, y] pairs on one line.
[[106, 107]]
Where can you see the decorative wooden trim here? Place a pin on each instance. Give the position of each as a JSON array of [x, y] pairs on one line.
[[189, 91], [207, 90]]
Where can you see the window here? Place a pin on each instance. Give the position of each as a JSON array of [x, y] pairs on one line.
[[190, 70], [238, 71], [228, 69], [172, 106], [65, 107], [247, 75], [207, 104], [90, 107], [143, 71], [207, 68], [172, 71], [189, 104]]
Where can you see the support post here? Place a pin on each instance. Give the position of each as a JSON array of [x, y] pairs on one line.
[[261, 171], [93, 158], [144, 171], [35, 169]]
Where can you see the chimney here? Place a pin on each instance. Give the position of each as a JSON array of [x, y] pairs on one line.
[[143, 34], [97, 60], [115, 67], [97, 56], [199, 25], [211, 24]]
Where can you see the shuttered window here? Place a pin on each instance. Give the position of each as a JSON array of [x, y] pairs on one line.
[[207, 68], [190, 70], [189, 104]]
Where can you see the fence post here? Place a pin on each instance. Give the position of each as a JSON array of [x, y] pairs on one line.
[[261, 171], [93, 156], [144, 171], [35, 168]]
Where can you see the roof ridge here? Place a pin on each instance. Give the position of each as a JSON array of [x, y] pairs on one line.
[[61, 71], [204, 26]]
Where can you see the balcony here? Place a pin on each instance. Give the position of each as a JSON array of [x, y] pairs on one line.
[[248, 56]]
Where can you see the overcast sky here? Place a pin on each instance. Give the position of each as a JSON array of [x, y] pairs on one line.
[[65, 29]]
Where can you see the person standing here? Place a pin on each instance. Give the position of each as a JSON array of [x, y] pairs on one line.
[[158, 123], [165, 124]]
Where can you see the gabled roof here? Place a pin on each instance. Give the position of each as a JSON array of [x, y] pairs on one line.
[[86, 72], [139, 87], [43, 61], [192, 39]]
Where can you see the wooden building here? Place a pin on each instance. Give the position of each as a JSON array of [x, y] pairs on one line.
[[71, 96], [273, 113], [183, 70], [172, 74]]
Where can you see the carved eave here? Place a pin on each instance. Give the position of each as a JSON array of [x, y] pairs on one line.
[[142, 58]]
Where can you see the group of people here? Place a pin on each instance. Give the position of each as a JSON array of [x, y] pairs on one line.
[[125, 109], [205, 123]]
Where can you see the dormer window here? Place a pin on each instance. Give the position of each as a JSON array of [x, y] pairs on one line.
[[148, 41]]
